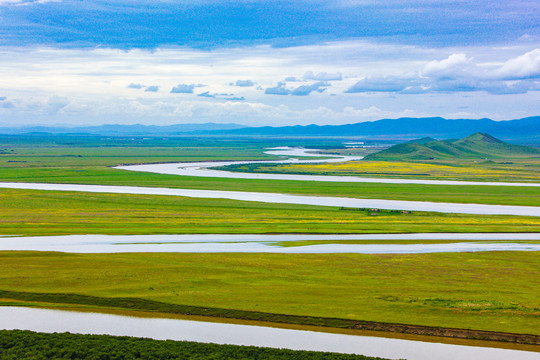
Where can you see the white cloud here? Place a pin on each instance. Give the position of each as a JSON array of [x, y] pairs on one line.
[[455, 65], [56, 103], [279, 89], [99, 83], [25, 2], [387, 83], [323, 76], [183, 89], [135, 86], [152, 88], [244, 83], [304, 90], [521, 67]]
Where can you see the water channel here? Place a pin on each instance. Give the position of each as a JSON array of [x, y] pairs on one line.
[[45, 320], [214, 243], [480, 209], [201, 169], [94, 323], [204, 169]]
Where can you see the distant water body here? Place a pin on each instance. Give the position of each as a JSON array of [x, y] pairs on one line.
[[203, 169]]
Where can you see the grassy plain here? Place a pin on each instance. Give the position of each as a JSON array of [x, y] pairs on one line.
[[34, 212], [516, 170], [495, 291], [88, 160], [486, 291]]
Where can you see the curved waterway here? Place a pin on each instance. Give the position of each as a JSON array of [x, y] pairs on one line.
[[222, 243], [478, 209], [44, 320], [203, 169]]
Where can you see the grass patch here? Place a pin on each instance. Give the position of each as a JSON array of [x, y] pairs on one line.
[[36, 212], [516, 170], [485, 291], [88, 160]]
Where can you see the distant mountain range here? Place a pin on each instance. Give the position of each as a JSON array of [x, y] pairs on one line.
[[525, 130], [122, 130], [409, 128], [476, 146]]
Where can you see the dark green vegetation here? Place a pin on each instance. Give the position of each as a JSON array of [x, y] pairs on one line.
[[495, 291], [476, 146], [17, 344], [33, 212]]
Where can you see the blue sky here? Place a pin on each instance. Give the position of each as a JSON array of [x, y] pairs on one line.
[[266, 62]]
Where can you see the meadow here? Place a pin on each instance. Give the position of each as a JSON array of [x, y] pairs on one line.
[[496, 291], [35, 212], [516, 170], [89, 160]]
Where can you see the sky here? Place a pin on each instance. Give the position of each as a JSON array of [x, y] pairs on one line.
[[257, 62]]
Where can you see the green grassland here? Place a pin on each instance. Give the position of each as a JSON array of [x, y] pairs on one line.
[[485, 291], [520, 170], [478, 157], [35, 212], [475, 146], [17, 344], [57, 160], [496, 291]]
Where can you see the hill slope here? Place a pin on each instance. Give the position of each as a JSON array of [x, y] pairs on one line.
[[475, 146]]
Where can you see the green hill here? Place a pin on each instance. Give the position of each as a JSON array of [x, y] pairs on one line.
[[475, 146]]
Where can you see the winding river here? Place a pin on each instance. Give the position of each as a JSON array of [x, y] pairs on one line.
[[203, 169], [55, 320], [290, 199]]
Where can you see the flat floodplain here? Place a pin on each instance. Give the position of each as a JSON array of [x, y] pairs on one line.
[[496, 291], [59, 160], [493, 291], [34, 212]]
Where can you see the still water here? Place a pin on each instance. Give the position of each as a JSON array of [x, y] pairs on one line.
[[44, 320], [274, 243]]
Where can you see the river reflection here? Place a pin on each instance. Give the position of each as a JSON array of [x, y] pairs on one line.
[[45, 320]]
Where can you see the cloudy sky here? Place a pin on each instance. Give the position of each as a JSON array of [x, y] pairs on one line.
[[257, 62]]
